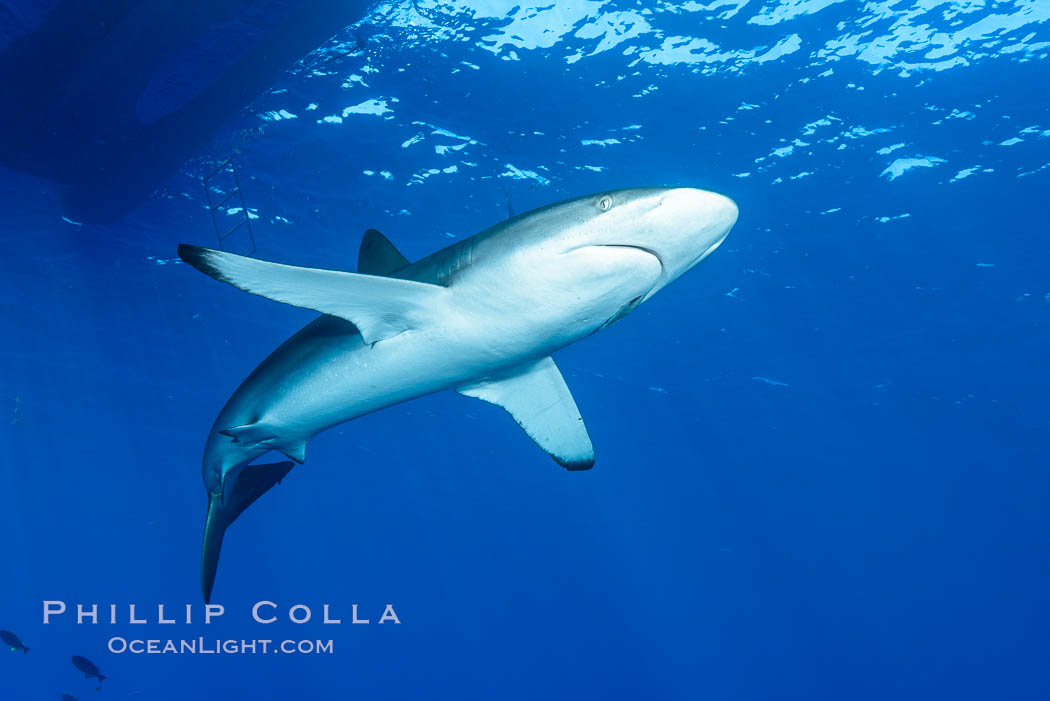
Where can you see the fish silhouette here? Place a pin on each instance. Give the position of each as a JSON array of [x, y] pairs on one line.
[[87, 667], [68, 697], [12, 641]]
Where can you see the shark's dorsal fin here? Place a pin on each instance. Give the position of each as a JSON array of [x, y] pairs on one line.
[[538, 399], [378, 256], [380, 307], [510, 205]]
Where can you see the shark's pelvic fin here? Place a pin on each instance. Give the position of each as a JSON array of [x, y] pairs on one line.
[[252, 483], [378, 256], [267, 436], [541, 403], [250, 435], [380, 307]]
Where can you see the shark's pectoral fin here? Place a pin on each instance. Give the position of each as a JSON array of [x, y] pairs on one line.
[[223, 509], [541, 403], [266, 436], [378, 256], [380, 307]]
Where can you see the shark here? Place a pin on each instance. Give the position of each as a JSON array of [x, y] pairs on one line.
[[482, 316]]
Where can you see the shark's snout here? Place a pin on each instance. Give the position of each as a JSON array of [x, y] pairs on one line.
[[687, 225], [700, 209]]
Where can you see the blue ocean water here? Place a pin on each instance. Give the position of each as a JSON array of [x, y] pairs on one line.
[[821, 464]]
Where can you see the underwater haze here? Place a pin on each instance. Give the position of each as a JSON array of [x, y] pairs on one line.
[[821, 454]]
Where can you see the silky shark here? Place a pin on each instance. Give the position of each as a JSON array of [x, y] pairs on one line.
[[482, 316]]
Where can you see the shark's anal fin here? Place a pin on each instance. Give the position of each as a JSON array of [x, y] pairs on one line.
[[380, 307], [252, 483], [378, 256], [538, 399]]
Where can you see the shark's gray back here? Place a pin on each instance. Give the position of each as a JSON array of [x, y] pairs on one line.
[[443, 266]]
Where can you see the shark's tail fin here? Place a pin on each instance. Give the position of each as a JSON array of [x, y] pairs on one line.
[[251, 483]]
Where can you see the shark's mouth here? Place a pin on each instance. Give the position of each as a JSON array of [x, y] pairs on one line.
[[630, 306], [659, 283], [656, 285], [650, 251]]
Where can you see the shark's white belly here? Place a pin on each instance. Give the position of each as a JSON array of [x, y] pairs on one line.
[[494, 322]]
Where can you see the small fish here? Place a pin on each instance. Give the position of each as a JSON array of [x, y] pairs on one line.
[[68, 697], [88, 668], [12, 641]]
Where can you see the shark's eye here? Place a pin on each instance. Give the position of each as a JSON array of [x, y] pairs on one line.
[[605, 203]]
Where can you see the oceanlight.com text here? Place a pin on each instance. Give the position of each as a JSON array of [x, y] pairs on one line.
[[205, 646]]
